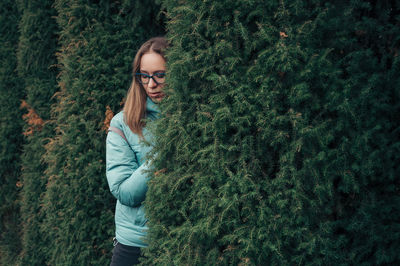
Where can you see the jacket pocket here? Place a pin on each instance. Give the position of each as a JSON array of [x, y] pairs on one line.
[[140, 216]]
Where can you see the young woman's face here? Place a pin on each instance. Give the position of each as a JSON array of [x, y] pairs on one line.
[[153, 64]]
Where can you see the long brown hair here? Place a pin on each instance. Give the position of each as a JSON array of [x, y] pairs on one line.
[[135, 104]]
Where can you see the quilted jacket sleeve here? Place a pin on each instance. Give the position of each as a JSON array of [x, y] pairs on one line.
[[127, 181]]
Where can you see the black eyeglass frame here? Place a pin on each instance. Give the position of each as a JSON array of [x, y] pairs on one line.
[[149, 76]]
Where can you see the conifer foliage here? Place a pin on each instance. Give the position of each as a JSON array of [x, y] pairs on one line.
[[37, 74], [10, 133], [98, 40], [279, 143]]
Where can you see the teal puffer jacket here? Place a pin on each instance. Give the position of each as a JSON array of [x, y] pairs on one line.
[[127, 179]]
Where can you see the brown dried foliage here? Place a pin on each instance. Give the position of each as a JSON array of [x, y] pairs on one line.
[[160, 171], [107, 120], [283, 34], [32, 118]]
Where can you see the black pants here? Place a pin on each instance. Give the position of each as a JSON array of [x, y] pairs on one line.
[[124, 255]]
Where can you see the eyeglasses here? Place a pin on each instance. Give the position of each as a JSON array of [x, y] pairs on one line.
[[159, 78]]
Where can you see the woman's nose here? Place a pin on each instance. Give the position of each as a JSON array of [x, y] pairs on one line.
[[152, 83]]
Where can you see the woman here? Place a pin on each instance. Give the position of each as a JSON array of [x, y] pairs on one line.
[[126, 154]]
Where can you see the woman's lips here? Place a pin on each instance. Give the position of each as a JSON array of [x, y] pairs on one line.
[[156, 95]]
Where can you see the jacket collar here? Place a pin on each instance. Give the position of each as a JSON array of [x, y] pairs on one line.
[[152, 109]]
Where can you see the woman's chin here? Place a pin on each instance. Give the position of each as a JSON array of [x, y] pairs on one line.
[[156, 100]]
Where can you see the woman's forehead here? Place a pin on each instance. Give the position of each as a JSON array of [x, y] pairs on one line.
[[152, 62]]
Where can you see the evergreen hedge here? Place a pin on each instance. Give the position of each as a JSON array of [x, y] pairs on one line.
[[37, 74], [279, 143], [10, 134], [98, 41]]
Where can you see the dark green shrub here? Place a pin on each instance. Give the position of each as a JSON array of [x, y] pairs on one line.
[[279, 143], [11, 138], [37, 74], [98, 42]]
